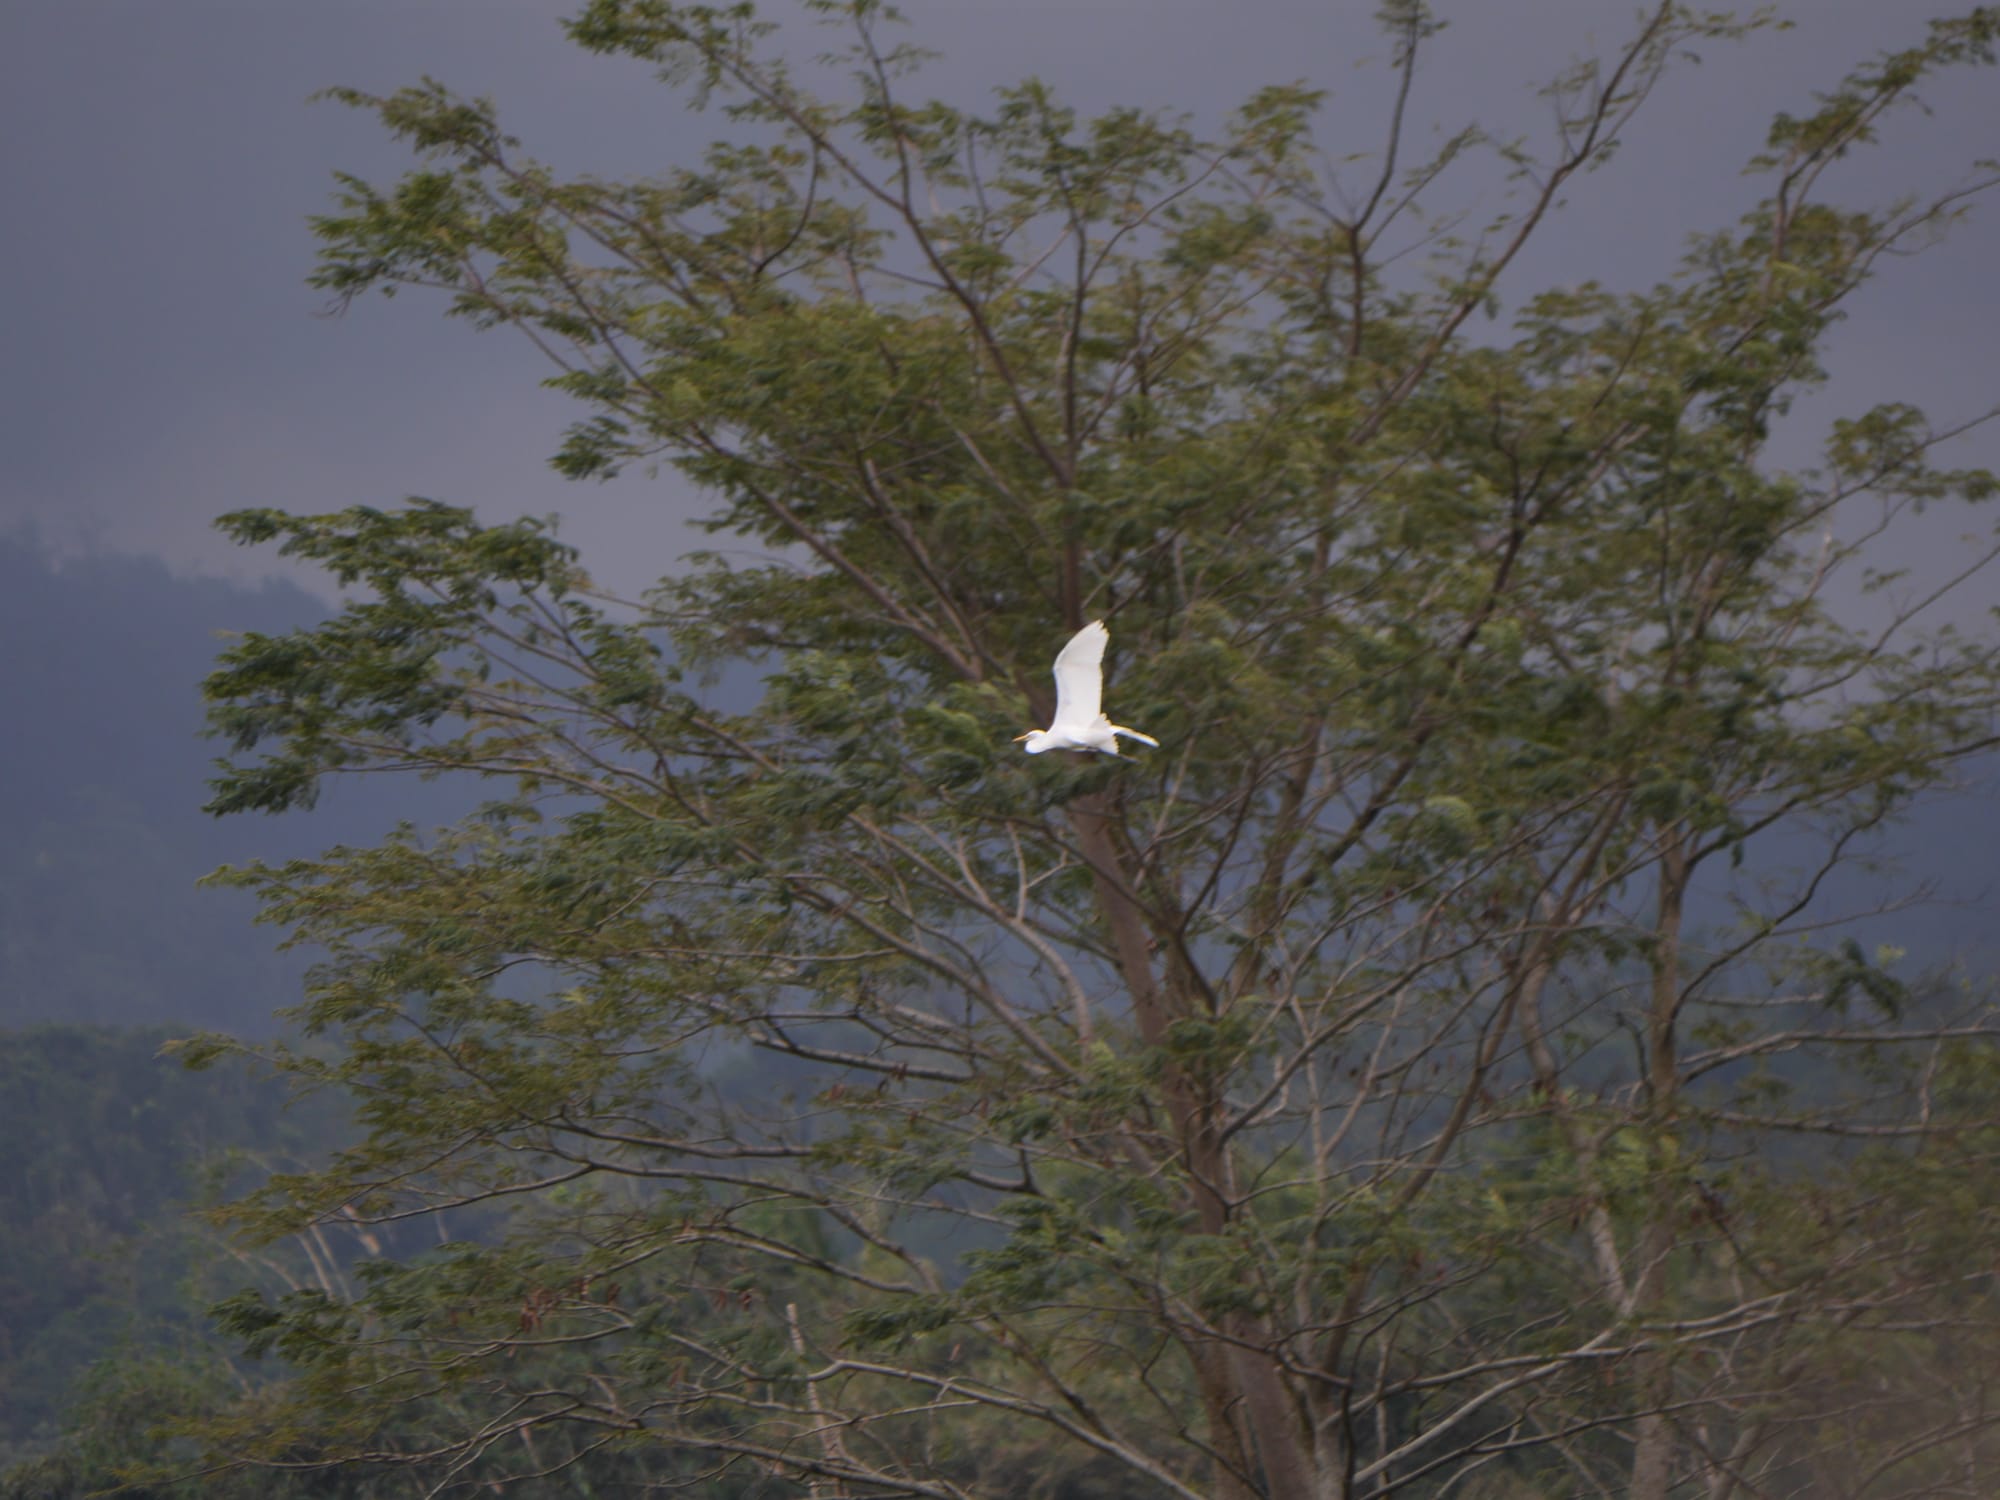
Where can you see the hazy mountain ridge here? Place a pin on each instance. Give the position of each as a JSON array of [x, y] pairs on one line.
[[102, 836]]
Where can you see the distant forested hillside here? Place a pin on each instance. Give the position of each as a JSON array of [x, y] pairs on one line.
[[107, 1144], [102, 836]]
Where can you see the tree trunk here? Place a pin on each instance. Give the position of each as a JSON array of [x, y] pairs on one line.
[[1257, 1390], [1653, 1450]]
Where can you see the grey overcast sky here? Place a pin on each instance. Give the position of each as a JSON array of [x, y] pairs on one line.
[[163, 361]]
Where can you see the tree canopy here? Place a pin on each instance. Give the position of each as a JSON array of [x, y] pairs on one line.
[[1437, 1069]]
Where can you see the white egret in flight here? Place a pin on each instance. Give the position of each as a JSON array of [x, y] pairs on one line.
[[1080, 723]]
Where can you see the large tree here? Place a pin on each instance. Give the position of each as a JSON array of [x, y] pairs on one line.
[[1439, 1068]]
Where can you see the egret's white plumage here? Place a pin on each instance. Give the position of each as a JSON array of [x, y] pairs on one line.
[[1080, 723]]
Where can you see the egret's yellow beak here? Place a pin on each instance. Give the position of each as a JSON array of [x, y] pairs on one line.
[[1019, 737]]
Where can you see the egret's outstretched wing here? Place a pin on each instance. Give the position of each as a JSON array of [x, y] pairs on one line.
[[1080, 680]]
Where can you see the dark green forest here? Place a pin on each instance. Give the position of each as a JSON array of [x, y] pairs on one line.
[[110, 1144]]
